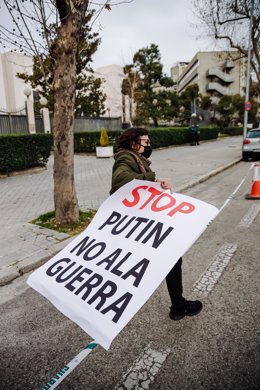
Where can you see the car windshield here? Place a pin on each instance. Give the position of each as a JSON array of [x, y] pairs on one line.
[[253, 134]]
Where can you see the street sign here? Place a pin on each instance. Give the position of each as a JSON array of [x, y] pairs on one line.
[[248, 105]]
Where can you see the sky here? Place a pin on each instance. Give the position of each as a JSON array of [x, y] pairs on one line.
[[129, 27]]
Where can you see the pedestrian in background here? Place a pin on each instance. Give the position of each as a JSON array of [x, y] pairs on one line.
[[194, 130], [131, 162], [195, 135]]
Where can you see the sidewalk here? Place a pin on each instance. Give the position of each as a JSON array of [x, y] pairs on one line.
[[25, 246]]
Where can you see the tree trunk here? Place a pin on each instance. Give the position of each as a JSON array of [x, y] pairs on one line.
[[64, 52], [123, 108], [155, 122], [131, 110]]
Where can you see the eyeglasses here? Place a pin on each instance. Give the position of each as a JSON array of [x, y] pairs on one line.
[[146, 141]]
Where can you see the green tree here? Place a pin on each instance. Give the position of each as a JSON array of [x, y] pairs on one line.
[[41, 79], [205, 102], [167, 105], [238, 102], [226, 110], [52, 31], [87, 87], [146, 84], [188, 100], [231, 110], [90, 100], [147, 62]]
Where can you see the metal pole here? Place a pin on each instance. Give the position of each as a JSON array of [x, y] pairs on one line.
[[10, 123], [248, 69]]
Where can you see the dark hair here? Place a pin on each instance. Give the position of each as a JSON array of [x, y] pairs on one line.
[[130, 136]]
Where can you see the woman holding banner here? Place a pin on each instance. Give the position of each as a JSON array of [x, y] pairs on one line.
[[131, 162]]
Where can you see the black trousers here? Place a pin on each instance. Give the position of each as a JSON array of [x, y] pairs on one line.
[[196, 138], [174, 284]]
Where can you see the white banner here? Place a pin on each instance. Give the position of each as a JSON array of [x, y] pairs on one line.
[[104, 276]]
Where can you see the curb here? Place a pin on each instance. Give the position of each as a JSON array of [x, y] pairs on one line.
[[14, 271], [203, 178], [28, 171]]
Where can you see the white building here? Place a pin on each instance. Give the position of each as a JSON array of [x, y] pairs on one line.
[[12, 97], [176, 70], [217, 73], [112, 76]]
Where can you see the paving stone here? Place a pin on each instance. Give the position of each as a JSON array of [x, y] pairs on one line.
[[7, 274]]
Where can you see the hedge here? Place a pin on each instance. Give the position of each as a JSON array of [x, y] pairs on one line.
[[162, 137], [87, 142], [19, 152], [232, 131], [24, 151]]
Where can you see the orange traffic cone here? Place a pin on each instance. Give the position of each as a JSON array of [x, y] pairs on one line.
[[255, 190]]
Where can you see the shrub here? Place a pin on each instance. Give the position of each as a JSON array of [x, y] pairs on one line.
[[232, 131], [162, 137], [86, 142], [104, 140], [19, 152], [24, 151], [208, 133]]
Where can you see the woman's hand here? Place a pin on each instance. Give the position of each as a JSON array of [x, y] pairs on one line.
[[166, 184]]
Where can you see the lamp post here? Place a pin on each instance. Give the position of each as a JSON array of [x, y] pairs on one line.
[[248, 71], [45, 115], [30, 111], [27, 92], [43, 101]]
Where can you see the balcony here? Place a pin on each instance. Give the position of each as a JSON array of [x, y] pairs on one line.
[[227, 78], [220, 89]]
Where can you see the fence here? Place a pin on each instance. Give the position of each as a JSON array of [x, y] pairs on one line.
[[95, 124], [13, 124], [17, 124]]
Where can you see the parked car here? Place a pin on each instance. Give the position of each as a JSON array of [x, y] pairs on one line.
[[251, 144]]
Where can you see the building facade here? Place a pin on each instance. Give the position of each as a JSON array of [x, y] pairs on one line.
[[12, 97], [176, 70], [12, 90], [112, 77], [217, 73]]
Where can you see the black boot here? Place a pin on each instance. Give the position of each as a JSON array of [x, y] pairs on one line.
[[189, 308]]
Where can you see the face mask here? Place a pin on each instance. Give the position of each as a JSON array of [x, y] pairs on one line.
[[147, 151]]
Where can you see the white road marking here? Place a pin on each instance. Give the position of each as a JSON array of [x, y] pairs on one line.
[[249, 218], [143, 371], [210, 277], [231, 196]]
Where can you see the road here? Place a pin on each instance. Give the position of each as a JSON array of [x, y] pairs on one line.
[[218, 349]]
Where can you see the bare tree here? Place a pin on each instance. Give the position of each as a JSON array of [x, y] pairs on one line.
[[48, 27], [130, 86], [228, 21]]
